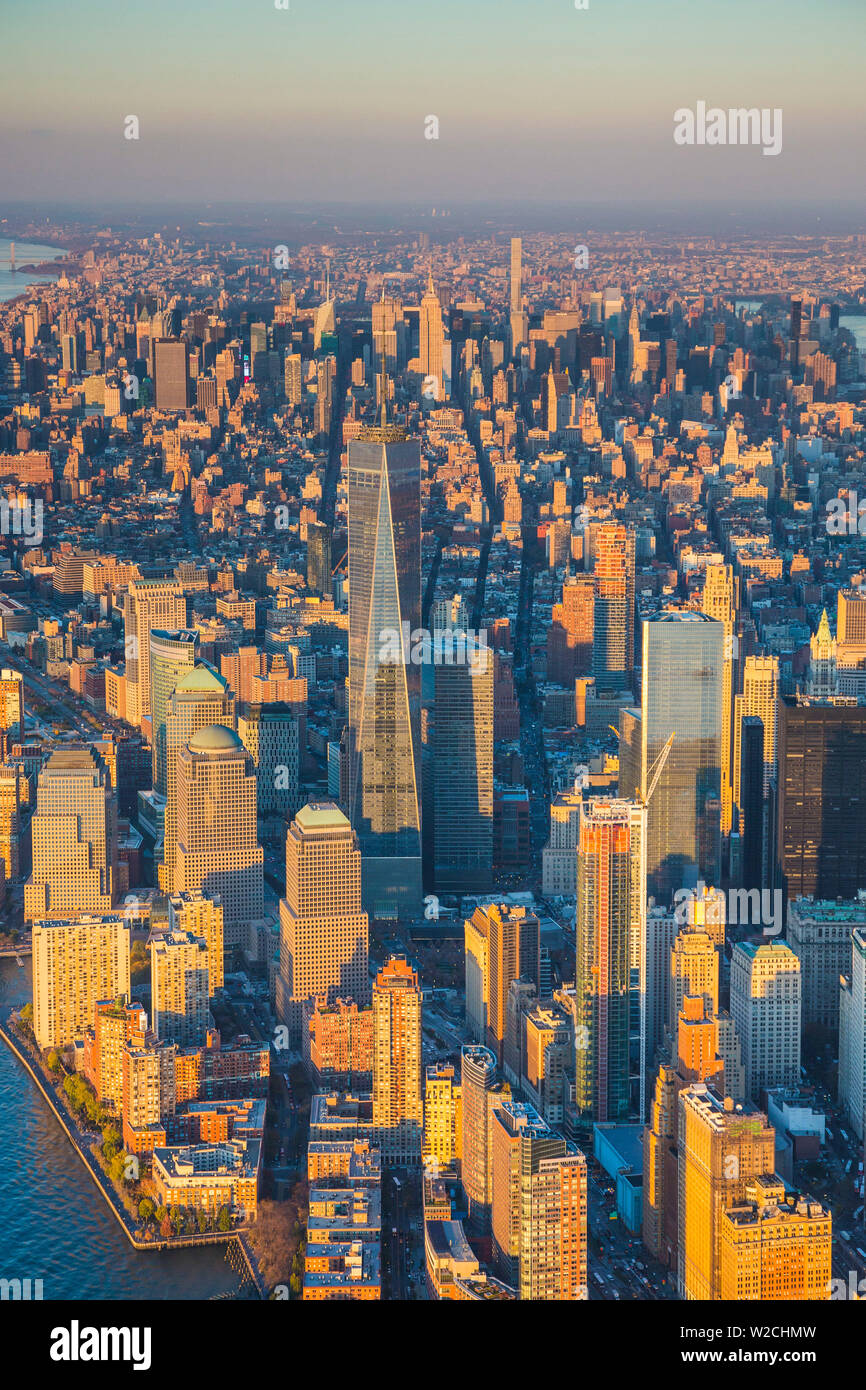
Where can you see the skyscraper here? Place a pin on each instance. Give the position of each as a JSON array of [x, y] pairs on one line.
[[319, 558], [431, 339], [74, 834], [201, 915], [766, 1005], [721, 1149], [172, 654], [852, 1034], [681, 694], [148, 604], [179, 988], [513, 950], [611, 958], [539, 1206], [821, 831], [385, 694], [457, 758], [515, 276], [11, 706], [477, 1083], [269, 733], [171, 373], [398, 1106], [76, 962], [217, 849], [201, 697], [719, 601], [613, 624], [323, 928]]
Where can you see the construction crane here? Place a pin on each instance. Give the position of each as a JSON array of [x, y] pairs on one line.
[[657, 769]]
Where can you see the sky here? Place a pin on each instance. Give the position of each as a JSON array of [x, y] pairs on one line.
[[536, 101]]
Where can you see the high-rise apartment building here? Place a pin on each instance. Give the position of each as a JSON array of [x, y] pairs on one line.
[[681, 694], [477, 975], [539, 1206], [719, 601], [172, 655], [398, 1105], [324, 930], [443, 1115], [319, 558], [179, 988], [759, 698], [217, 848], [76, 963], [201, 915], [765, 1004], [200, 698], [384, 780], [478, 1087], [559, 856], [457, 760], [11, 706], [513, 950], [115, 1023], [570, 635], [613, 622], [74, 835], [147, 604], [611, 958], [515, 291]]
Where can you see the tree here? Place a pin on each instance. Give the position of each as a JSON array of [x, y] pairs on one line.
[[160, 1213], [202, 1222], [224, 1221], [146, 1209], [54, 1063], [165, 1229]]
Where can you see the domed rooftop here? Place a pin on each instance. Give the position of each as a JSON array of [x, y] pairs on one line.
[[214, 738]]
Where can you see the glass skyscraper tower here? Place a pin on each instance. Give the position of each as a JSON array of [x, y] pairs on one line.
[[384, 694], [682, 682]]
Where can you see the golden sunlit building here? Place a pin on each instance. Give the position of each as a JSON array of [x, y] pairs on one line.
[[774, 1247], [75, 965], [398, 1107], [443, 1115]]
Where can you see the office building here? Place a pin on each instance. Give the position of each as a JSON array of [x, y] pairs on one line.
[[76, 963], [722, 1148], [217, 849], [172, 655], [431, 341], [384, 777], [694, 971], [179, 988], [765, 1004], [821, 833], [539, 1206], [457, 758], [74, 836], [852, 1035], [270, 734], [719, 601], [148, 604], [171, 373], [559, 856], [821, 934], [610, 928], [774, 1246], [200, 698], [323, 927], [11, 706], [681, 694], [477, 974], [398, 1105]]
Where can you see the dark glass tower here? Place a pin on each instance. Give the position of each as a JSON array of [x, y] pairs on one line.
[[385, 694]]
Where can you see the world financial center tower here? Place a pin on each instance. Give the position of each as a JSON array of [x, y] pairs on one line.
[[384, 694]]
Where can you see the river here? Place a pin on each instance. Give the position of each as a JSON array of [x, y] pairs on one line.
[[26, 253], [54, 1225]]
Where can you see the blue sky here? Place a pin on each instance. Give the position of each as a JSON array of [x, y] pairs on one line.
[[240, 101]]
